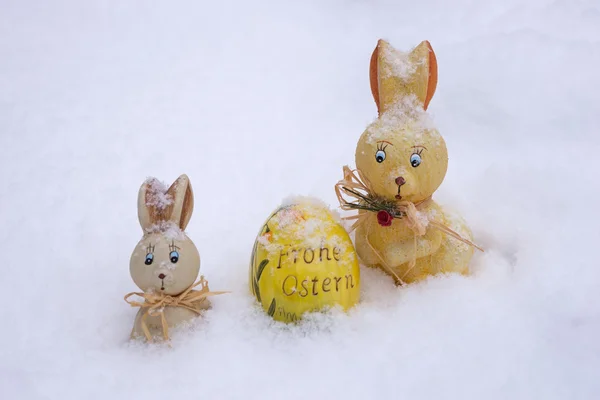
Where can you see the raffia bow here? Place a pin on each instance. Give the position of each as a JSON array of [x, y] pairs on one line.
[[155, 304], [357, 187]]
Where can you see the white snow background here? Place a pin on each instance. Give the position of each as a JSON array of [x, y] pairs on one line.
[[257, 101]]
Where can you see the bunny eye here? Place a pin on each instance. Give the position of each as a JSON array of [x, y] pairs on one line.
[[149, 259], [415, 160], [380, 154], [174, 256]]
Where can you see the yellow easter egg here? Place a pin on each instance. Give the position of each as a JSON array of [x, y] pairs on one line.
[[303, 260]]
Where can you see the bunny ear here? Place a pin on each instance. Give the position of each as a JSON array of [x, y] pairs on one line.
[[154, 204], [183, 201], [373, 76], [157, 204], [394, 74]]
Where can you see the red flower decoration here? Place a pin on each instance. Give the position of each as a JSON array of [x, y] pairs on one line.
[[384, 218]]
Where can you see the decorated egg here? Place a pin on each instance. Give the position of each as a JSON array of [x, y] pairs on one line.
[[303, 261]]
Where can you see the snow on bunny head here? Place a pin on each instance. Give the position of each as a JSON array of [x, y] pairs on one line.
[[165, 259], [401, 153]]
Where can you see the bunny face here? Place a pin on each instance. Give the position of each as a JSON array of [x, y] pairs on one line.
[[163, 263], [402, 160], [165, 260], [401, 154]]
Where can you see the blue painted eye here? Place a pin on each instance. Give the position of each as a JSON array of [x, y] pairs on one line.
[[380, 156], [415, 160], [174, 256], [149, 259]]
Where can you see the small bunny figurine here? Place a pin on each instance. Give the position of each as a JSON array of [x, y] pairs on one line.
[[402, 160], [165, 263]]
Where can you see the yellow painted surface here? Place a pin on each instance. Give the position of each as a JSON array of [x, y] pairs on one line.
[[387, 151], [303, 260]]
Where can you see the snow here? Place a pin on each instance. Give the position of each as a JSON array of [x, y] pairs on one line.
[[398, 62], [405, 113], [168, 229], [258, 101], [157, 196], [305, 223], [423, 218]]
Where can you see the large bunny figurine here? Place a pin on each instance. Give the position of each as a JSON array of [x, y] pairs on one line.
[[402, 160], [165, 263]]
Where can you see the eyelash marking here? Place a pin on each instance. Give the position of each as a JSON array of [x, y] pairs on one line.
[[418, 149], [172, 246]]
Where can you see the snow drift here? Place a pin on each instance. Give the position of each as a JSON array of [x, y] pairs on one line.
[[260, 101]]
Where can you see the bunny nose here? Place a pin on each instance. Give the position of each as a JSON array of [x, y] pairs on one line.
[[400, 181], [162, 276]]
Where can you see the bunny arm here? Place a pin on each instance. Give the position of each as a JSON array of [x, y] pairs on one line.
[[397, 253]]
